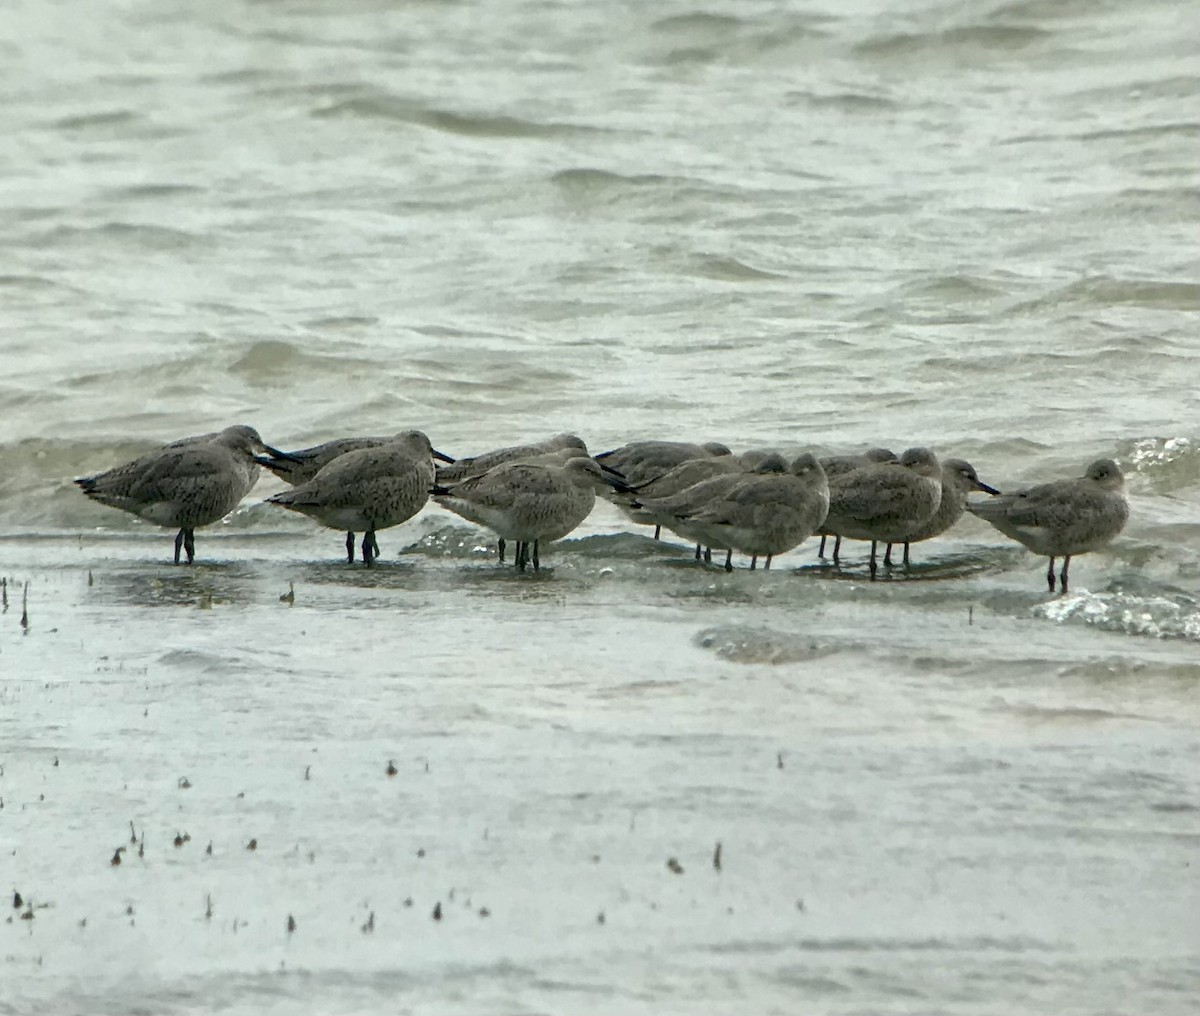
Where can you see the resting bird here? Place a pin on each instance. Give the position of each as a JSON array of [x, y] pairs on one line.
[[367, 489], [1064, 517], [958, 479], [187, 484], [301, 466], [884, 503], [530, 504]]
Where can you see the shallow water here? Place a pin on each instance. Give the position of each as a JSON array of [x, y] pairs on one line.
[[823, 227]]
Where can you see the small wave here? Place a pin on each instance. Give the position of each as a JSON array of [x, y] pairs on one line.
[[1104, 292], [266, 360], [847, 102], [966, 41], [867, 944], [482, 125], [716, 25], [107, 118], [730, 269], [762, 645], [124, 234], [1168, 463], [1159, 617], [153, 191]]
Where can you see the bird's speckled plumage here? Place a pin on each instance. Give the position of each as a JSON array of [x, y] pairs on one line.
[[367, 489], [1064, 517]]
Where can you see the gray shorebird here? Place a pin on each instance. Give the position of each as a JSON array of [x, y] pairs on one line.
[[885, 502], [185, 485], [564, 445], [765, 515], [527, 503], [838, 465], [676, 511], [958, 480], [639, 461], [1064, 517], [553, 451], [301, 466], [367, 489], [678, 478]]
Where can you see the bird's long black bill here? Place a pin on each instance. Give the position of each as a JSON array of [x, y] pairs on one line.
[[443, 457], [980, 485], [275, 453]]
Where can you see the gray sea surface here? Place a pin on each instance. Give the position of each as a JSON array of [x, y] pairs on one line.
[[790, 225]]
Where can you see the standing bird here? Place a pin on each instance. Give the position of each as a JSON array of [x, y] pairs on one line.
[[1064, 517], [679, 478], [188, 484], [884, 503], [676, 511], [569, 445], [837, 465], [770, 514], [639, 461], [367, 489], [301, 466], [958, 479], [529, 504]]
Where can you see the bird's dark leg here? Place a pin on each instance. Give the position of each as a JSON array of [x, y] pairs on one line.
[[729, 560], [657, 532], [350, 547], [874, 566], [374, 545], [537, 561], [1050, 575], [178, 544], [837, 548], [905, 553], [189, 544], [699, 551], [821, 549], [767, 565], [368, 548], [708, 555], [522, 555], [1062, 576], [887, 556], [753, 561], [500, 545]]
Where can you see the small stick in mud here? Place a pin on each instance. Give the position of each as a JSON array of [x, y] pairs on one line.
[[116, 857], [717, 856], [291, 925]]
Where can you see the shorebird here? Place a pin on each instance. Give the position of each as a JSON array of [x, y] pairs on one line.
[[185, 485], [301, 466], [676, 511], [837, 465], [958, 480], [765, 515], [885, 502], [529, 504], [368, 489], [1064, 517]]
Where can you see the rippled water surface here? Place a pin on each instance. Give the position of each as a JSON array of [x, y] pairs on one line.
[[770, 224]]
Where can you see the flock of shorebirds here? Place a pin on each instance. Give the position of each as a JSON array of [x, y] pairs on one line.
[[756, 503]]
